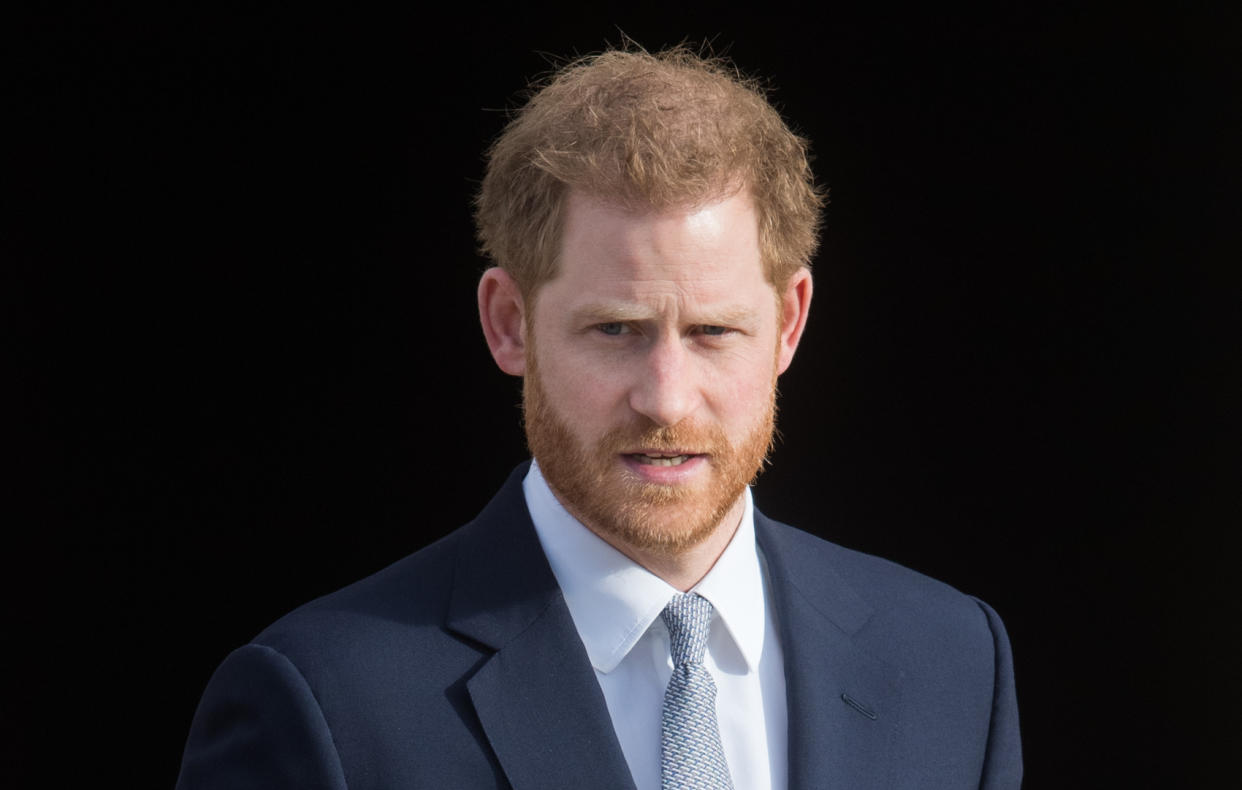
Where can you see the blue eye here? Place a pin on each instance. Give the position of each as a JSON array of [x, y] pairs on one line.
[[612, 328], [714, 331]]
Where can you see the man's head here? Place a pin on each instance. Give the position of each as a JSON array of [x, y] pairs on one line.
[[644, 131], [644, 212]]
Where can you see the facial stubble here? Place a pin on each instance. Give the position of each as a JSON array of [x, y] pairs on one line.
[[617, 505]]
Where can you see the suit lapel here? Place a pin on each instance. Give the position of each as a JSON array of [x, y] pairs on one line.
[[843, 703], [536, 696], [542, 709]]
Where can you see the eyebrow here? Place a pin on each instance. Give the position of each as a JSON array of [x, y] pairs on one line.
[[610, 312]]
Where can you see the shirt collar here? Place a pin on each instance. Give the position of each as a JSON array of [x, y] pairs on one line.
[[614, 600]]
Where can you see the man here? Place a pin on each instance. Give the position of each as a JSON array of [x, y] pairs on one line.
[[620, 615]]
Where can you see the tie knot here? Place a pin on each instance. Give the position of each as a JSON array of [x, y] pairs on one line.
[[688, 617]]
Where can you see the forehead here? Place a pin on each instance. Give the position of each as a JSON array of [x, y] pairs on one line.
[[693, 246]]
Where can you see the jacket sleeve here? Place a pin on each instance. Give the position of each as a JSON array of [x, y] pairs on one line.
[[259, 725], [1002, 763]]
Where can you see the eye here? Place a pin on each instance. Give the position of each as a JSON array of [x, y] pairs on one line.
[[714, 331], [611, 328]]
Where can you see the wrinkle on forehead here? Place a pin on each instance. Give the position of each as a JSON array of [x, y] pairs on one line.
[[700, 264], [627, 272]]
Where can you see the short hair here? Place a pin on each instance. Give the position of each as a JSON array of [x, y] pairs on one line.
[[644, 131]]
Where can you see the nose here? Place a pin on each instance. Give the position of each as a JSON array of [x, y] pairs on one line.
[[665, 390]]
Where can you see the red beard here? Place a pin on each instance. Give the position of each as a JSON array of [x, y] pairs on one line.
[[594, 485]]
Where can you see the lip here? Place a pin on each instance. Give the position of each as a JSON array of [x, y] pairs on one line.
[[665, 475]]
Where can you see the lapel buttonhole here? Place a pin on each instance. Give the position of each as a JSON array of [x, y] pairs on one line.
[[858, 706]]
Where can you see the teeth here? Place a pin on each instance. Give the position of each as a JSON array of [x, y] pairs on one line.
[[660, 460]]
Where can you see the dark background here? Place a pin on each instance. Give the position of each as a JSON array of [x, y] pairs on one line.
[[237, 287]]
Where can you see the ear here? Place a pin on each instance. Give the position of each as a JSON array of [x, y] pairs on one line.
[[795, 305], [502, 314]]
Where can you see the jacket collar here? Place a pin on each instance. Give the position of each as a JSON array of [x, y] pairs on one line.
[[545, 715]]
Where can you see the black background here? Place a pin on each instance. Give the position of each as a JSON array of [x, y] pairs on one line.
[[238, 293]]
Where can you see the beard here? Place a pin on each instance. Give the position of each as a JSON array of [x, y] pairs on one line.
[[597, 489]]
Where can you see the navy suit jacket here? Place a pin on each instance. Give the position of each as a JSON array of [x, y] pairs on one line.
[[460, 667]]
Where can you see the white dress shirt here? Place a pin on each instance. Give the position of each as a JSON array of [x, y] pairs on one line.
[[616, 603]]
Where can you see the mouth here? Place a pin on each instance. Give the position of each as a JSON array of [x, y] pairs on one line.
[[661, 459]]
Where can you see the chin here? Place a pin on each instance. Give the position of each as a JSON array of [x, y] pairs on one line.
[[650, 522]]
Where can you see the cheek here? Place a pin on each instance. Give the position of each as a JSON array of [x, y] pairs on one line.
[[583, 379], [742, 388], [748, 404], [585, 396]]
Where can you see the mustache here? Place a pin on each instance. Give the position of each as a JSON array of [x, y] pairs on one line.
[[682, 437]]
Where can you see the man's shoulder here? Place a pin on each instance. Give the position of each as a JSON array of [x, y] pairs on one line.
[[880, 601], [404, 600], [351, 679], [854, 618], [405, 607], [882, 578]]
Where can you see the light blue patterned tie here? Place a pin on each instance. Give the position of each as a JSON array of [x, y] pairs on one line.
[[691, 757]]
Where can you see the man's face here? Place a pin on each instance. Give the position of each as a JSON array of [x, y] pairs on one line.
[[651, 364]]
